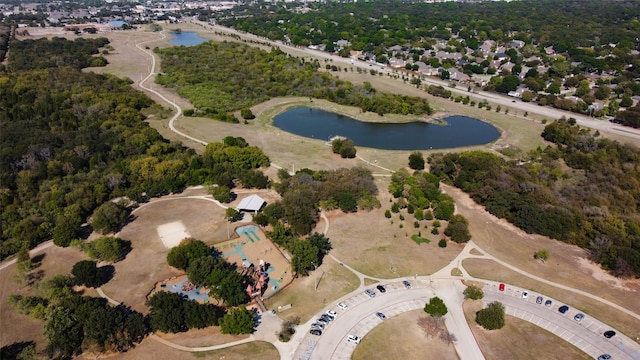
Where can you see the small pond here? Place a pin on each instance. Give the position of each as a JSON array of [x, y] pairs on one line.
[[187, 38], [458, 131], [117, 23]]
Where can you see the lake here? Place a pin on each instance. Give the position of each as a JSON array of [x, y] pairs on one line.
[[458, 131], [186, 38]]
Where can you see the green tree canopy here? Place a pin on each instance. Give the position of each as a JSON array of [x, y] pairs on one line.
[[108, 217], [416, 160], [237, 321], [473, 292], [458, 229], [87, 273], [436, 307], [189, 250], [491, 317]]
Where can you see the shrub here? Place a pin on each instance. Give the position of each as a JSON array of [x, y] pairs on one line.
[[442, 243], [473, 292], [387, 214], [492, 317], [436, 307]]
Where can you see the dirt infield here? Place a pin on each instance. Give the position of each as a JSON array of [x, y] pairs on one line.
[[172, 233]]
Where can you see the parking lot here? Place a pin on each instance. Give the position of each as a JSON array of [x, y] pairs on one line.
[[586, 335]]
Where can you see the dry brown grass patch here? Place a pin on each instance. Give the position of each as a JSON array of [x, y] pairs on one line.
[[515, 339], [402, 337]]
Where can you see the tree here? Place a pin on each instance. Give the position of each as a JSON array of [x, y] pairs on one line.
[[492, 317], [247, 114], [345, 147], [473, 292], [416, 160], [458, 229], [66, 230], [108, 217], [87, 273], [107, 248], [305, 257], [322, 243], [64, 334], [189, 250], [232, 215], [167, 312], [221, 193], [542, 254], [237, 321], [436, 307]]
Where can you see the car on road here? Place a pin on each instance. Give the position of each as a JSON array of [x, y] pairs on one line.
[[370, 293], [332, 313], [326, 317], [539, 300], [316, 326], [563, 309], [609, 334], [501, 287], [605, 357], [342, 306], [578, 317], [322, 321], [381, 316], [315, 332], [525, 295], [548, 303], [381, 289], [354, 339], [406, 284]]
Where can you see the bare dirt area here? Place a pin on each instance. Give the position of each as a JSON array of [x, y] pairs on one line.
[[375, 246], [153, 350], [400, 337], [518, 339], [146, 264], [487, 269], [333, 282], [17, 327]]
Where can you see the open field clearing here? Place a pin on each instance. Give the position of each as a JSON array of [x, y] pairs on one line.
[[400, 337], [371, 244], [333, 282], [518, 339], [146, 264], [153, 350], [17, 327]]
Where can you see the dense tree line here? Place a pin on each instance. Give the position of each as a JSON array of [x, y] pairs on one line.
[[594, 205], [219, 78], [75, 323], [72, 140], [630, 117], [56, 52], [170, 313]]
